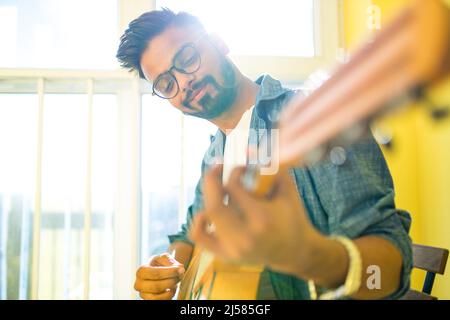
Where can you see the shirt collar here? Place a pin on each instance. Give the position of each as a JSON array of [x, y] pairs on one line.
[[270, 89]]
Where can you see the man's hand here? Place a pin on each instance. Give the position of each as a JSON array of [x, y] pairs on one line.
[[158, 280], [275, 232]]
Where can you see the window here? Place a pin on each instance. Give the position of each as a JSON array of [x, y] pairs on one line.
[[173, 146], [69, 164], [63, 194], [16, 191], [257, 27], [64, 170], [51, 33], [288, 39]]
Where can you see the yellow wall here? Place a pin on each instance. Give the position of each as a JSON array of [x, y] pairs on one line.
[[420, 157], [355, 21]]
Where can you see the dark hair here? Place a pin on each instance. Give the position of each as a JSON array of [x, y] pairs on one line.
[[143, 29]]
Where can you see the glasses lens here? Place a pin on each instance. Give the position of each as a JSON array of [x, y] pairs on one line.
[[187, 60], [166, 86]]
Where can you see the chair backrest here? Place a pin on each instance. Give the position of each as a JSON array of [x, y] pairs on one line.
[[431, 259]]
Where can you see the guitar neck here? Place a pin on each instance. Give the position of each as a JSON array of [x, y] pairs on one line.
[[413, 52]]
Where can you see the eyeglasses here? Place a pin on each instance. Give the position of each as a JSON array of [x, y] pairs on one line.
[[187, 61]]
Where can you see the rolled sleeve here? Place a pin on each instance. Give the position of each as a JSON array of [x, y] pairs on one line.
[[358, 198], [182, 235], [389, 229]]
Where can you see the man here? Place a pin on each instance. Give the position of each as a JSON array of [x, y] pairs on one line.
[[290, 232]]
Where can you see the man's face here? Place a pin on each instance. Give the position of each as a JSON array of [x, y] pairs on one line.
[[206, 93]]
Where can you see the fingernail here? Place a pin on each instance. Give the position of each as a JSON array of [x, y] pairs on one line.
[[180, 271]]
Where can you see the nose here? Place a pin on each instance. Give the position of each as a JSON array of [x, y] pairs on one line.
[[185, 81]]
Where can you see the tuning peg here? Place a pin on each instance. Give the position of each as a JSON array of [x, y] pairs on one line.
[[439, 113]]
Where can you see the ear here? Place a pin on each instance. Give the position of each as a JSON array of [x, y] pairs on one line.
[[219, 43]]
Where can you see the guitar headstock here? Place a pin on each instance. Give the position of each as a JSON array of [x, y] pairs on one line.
[[408, 55], [394, 68]]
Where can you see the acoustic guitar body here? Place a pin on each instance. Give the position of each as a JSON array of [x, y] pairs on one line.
[[209, 278]]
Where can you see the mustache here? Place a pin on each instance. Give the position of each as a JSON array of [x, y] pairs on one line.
[[199, 84]]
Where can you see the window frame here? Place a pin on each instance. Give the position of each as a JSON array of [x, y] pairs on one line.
[[128, 89], [295, 69], [291, 69]]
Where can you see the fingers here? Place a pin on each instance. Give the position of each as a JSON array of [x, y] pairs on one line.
[[213, 189], [165, 260], [155, 286], [154, 282], [161, 296], [250, 206], [226, 220], [284, 186], [229, 240], [201, 237], [158, 273], [223, 244], [237, 191], [214, 192]]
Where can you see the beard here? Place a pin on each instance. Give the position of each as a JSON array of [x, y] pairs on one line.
[[213, 106]]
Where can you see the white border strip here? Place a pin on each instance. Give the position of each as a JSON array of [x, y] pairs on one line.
[[38, 194], [88, 196]]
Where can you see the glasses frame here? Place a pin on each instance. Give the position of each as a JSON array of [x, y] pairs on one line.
[[182, 71]]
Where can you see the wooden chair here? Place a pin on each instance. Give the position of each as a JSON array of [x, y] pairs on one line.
[[432, 260]]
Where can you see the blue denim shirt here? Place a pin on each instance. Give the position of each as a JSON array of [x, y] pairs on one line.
[[354, 199]]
